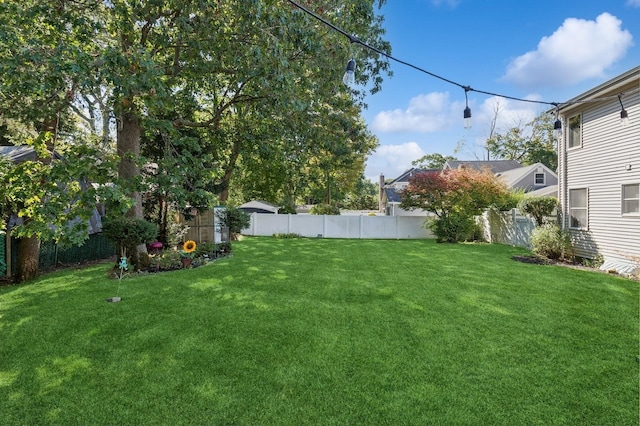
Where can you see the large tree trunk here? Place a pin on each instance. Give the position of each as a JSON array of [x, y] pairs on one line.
[[28, 259], [128, 143], [129, 146], [29, 248]]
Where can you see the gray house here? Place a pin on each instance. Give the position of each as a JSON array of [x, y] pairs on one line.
[[389, 196], [599, 172]]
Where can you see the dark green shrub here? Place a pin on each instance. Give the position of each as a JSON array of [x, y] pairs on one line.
[[129, 233], [538, 207], [453, 228], [551, 242], [205, 248], [234, 219], [324, 209]]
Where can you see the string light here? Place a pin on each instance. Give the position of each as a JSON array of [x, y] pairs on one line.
[[467, 111], [624, 116], [349, 77], [557, 126]]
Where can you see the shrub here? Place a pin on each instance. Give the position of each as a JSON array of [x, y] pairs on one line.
[[324, 209], [538, 207], [453, 227], [551, 242], [234, 219], [128, 231], [284, 236]]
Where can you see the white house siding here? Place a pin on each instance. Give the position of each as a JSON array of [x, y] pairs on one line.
[[601, 165]]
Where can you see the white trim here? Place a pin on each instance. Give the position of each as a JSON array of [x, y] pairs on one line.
[[622, 200], [579, 145], [586, 209]]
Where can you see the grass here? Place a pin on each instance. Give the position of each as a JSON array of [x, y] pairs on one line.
[[326, 332]]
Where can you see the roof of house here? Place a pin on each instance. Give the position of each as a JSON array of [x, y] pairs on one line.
[[259, 207], [20, 153], [513, 176], [392, 195], [408, 174], [495, 166], [608, 87], [547, 191]]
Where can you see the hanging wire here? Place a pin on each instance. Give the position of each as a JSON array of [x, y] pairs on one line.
[[354, 39]]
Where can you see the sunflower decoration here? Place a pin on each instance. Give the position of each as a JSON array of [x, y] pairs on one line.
[[188, 249]]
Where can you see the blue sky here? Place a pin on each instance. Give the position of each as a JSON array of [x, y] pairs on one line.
[[536, 49]]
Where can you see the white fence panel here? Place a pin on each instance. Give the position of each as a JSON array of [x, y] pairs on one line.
[[328, 226], [507, 227]]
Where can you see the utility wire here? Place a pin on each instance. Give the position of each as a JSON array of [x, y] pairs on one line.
[[354, 39]]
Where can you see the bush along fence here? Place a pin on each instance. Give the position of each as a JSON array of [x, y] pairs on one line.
[[97, 247]]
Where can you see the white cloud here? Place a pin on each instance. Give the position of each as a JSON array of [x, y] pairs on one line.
[[576, 51], [633, 3], [392, 160], [425, 114]]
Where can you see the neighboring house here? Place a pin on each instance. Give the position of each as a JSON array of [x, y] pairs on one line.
[[390, 194], [529, 178], [513, 174], [599, 172], [257, 206]]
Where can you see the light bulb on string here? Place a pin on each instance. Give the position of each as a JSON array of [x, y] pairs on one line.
[[557, 125], [467, 111], [624, 115], [349, 77]]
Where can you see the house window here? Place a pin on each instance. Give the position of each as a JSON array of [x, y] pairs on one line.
[[578, 201], [539, 178], [631, 199], [575, 134]]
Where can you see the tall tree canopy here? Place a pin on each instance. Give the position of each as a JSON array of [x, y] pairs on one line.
[[196, 86], [530, 143]]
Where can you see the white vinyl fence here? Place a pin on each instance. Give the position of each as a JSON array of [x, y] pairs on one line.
[[328, 226], [506, 227]]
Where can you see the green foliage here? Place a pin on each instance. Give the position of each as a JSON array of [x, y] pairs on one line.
[[538, 207], [454, 196], [285, 236], [168, 259], [551, 242], [432, 161], [129, 232], [234, 219], [530, 143], [320, 209], [453, 228]]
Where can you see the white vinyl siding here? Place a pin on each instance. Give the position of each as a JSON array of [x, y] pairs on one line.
[[601, 165], [578, 208], [631, 199]]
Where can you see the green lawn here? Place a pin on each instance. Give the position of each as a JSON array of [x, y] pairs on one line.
[[325, 332]]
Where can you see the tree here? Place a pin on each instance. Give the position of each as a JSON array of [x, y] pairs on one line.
[[529, 143], [538, 207], [158, 67], [432, 161], [454, 196]]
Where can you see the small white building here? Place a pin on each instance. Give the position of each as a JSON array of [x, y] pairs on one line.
[[599, 172]]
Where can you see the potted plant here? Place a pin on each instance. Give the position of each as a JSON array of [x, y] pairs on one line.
[[188, 252]]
